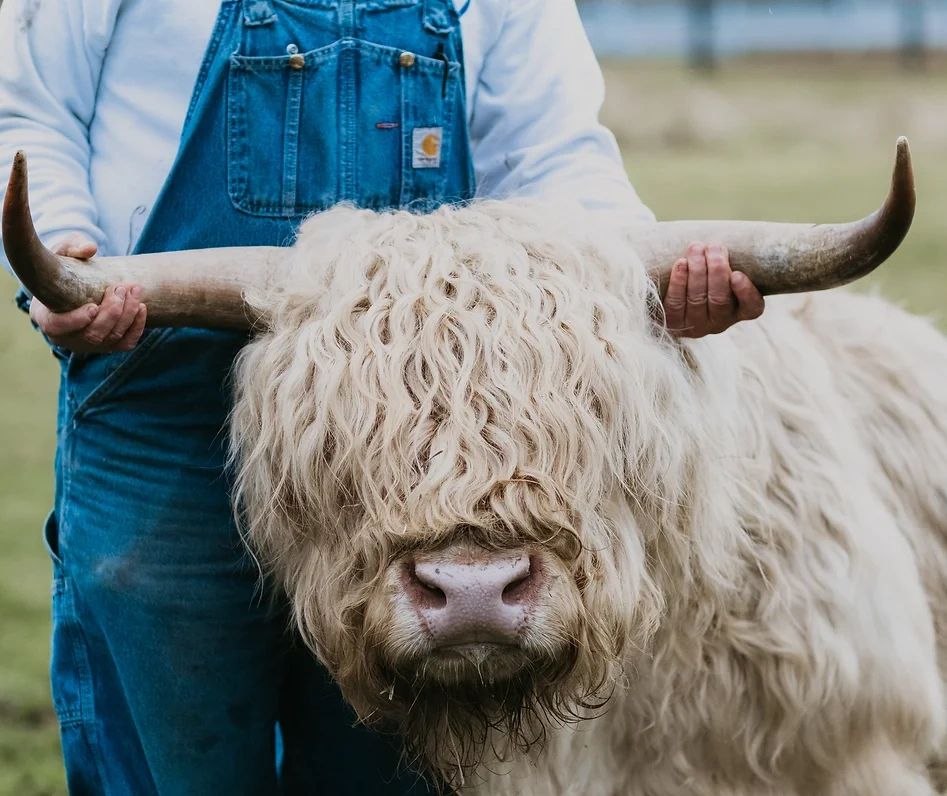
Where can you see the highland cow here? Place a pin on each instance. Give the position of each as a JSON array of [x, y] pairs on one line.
[[559, 551]]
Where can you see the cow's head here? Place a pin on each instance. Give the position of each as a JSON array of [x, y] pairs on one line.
[[452, 437], [434, 438]]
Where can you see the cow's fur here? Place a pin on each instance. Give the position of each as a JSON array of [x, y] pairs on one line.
[[747, 533]]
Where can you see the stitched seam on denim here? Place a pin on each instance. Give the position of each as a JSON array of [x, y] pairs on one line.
[[71, 633], [236, 137], [366, 5], [385, 5], [82, 717], [117, 377], [407, 145], [448, 123], [291, 140], [348, 114], [385, 54], [346, 17], [259, 63]]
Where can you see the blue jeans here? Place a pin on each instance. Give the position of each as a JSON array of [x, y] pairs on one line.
[[171, 663]]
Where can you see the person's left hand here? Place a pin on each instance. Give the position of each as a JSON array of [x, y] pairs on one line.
[[705, 296]]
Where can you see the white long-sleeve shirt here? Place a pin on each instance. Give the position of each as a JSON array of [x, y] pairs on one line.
[[96, 92]]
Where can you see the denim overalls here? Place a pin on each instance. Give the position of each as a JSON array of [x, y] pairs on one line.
[[170, 669]]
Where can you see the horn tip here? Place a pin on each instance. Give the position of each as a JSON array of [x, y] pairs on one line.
[[904, 150], [903, 181], [18, 172], [18, 177]]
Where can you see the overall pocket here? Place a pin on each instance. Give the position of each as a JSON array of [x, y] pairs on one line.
[[282, 132], [69, 665], [429, 105], [90, 379], [355, 121], [397, 139]]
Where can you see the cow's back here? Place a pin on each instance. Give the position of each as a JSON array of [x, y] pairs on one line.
[[891, 368]]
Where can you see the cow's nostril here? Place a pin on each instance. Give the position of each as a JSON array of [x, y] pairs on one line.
[[423, 593], [519, 590]]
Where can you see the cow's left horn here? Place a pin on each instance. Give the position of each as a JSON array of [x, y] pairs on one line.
[[202, 287], [792, 258]]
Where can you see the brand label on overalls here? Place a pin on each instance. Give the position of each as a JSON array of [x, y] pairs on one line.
[[427, 147]]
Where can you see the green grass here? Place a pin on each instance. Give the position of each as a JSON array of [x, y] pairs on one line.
[[29, 747], [791, 139]]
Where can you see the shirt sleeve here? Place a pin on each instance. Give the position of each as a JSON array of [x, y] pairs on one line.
[[535, 124], [49, 75]]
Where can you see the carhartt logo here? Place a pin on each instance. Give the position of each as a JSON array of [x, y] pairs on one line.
[[431, 145], [427, 147]]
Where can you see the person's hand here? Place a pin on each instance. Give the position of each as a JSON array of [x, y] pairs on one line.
[[114, 325], [705, 296]]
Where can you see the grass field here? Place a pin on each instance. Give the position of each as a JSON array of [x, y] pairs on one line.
[[794, 139]]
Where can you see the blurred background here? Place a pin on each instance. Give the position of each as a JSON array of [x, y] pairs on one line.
[[736, 108]]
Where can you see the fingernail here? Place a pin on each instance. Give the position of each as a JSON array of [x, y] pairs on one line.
[[93, 311], [136, 292], [120, 292]]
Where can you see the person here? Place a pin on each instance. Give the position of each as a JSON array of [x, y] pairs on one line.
[[176, 125]]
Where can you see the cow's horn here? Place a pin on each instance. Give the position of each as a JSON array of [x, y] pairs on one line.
[[203, 287], [792, 258]]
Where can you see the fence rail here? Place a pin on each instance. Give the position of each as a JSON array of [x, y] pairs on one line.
[[705, 30]]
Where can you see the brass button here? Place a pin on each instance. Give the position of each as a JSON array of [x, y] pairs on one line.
[[297, 61], [407, 60]]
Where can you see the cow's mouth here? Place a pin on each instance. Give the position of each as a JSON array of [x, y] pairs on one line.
[[485, 663], [476, 653]]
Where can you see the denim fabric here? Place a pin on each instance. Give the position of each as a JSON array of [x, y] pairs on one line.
[[173, 671]]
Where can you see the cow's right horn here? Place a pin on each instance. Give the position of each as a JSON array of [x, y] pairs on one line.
[[792, 258], [202, 287]]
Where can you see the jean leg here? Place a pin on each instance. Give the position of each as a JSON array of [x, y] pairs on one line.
[[324, 752], [186, 655]]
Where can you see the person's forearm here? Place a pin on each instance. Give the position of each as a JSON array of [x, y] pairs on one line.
[[48, 81]]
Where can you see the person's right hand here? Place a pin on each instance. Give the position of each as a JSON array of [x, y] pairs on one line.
[[114, 325]]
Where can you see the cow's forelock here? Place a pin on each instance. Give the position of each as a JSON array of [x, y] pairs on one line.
[[475, 376]]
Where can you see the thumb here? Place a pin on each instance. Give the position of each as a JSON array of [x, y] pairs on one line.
[[56, 324]]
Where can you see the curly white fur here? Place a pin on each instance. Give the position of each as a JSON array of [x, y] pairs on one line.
[[745, 526]]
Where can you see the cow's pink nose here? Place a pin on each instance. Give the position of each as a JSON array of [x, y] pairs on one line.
[[479, 598]]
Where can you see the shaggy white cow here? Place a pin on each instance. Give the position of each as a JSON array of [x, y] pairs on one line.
[[561, 552]]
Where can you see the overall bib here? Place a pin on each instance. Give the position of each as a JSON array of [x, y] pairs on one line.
[[171, 671]]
